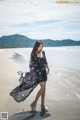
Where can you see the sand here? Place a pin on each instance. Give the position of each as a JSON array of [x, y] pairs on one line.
[[62, 92]]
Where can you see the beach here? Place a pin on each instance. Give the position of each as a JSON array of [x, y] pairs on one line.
[[62, 90]]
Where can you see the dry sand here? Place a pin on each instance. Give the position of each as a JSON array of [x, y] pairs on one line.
[[62, 93]]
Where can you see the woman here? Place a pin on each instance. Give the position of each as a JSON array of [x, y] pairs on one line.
[[38, 64]]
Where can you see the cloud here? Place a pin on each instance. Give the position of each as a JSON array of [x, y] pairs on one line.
[[39, 19]]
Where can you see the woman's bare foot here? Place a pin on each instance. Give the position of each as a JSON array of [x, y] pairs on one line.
[[44, 108], [33, 106]]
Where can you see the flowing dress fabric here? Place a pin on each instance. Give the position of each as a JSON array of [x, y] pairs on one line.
[[27, 85], [37, 66]]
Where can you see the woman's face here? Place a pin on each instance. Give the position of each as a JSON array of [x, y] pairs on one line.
[[40, 47]]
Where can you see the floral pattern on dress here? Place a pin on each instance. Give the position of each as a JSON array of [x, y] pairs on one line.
[[37, 65]]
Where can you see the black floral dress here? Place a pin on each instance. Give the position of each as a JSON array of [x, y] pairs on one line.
[[37, 66]]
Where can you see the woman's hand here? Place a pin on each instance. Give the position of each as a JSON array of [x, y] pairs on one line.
[[47, 69]]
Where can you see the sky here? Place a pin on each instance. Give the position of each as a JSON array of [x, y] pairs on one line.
[[40, 19]]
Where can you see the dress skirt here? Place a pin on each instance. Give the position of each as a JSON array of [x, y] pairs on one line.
[[43, 76]]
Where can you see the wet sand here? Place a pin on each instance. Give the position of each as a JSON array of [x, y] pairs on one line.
[[62, 92]]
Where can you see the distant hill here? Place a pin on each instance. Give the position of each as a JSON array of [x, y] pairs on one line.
[[20, 41]]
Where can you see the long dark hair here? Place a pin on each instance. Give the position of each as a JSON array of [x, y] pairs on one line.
[[35, 48], [36, 45]]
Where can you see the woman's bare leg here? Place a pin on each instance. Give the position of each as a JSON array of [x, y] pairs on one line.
[[43, 107], [43, 84], [41, 93]]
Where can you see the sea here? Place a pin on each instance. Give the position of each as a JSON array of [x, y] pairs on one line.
[[66, 56]]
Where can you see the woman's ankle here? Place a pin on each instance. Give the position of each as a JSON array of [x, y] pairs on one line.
[[42, 105], [44, 108], [34, 102]]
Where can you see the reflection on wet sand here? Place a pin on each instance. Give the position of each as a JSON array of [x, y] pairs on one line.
[[18, 58], [29, 115]]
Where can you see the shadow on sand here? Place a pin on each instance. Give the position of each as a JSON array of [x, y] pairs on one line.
[[29, 115]]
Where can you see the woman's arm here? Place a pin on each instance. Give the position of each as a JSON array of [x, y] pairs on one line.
[[46, 63]]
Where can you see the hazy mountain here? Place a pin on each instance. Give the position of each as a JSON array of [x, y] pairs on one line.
[[13, 41]]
